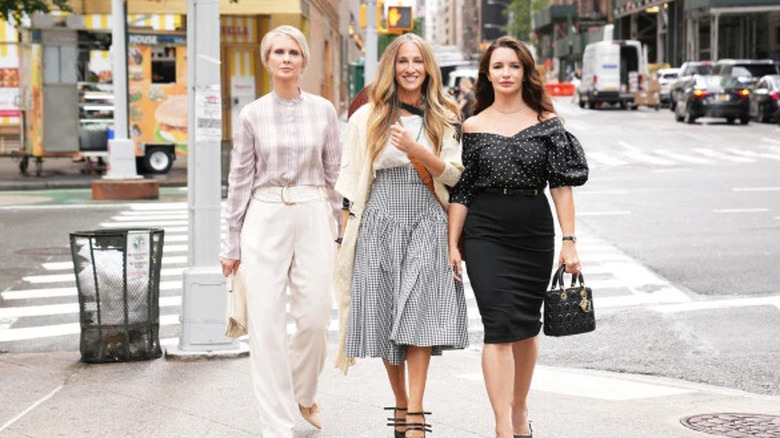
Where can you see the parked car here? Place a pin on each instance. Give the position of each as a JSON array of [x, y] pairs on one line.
[[687, 70], [765, 99], [666, 77], [747, 71], [713, 96], [611, 72]]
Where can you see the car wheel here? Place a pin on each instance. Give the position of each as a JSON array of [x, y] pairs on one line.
[[582, 103], [730, 120], [744, 120], [157, 161]]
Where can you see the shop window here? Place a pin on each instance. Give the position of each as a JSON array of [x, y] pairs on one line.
[[163, 65]]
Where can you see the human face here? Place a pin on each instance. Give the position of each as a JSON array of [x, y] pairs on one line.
[[285, 59], [409, 68], [505, 71]]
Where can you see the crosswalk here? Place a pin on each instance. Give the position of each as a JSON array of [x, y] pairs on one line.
[[768, 151], [45, 305]]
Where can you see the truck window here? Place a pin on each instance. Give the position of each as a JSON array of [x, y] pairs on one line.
[[163, 65]]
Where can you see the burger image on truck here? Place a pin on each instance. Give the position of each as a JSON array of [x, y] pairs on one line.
[[171, 118]]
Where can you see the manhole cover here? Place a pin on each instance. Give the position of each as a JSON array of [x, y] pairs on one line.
[[735, 425], [48, 251]]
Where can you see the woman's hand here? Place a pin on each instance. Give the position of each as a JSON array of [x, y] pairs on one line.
[[569, 257], [402, 139], [229, 266], [456, 264]]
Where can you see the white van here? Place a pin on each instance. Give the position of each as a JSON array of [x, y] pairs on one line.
[[612, 71]]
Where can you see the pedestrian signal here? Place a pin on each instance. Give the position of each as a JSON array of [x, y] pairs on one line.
[[400, 19]]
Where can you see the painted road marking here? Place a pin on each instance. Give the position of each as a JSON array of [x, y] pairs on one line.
[[604, 213], [722, 156], [48, 331], [64, 309], [680, 157], [57, 278], [57, 292], [752, 154], [643, 157], [605, 159], [770, 140], [601, 192], [63, 266]]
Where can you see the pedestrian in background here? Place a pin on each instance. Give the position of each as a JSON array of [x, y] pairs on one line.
[[281, 212], [512, 148], [466, 97], [393, 263]]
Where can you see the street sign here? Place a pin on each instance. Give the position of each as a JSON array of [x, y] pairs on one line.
[[400, 19]]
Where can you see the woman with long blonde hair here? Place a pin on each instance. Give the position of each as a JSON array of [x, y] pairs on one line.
[[397, 297]]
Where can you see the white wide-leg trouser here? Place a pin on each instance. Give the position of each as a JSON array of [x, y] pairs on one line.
[[287, 241]]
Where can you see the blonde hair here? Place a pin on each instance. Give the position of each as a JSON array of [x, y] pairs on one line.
[[283, 31], [440, 111]]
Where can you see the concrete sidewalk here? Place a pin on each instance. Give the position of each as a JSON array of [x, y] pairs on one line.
[[55, 395]]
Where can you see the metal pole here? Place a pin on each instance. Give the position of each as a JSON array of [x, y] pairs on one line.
[[203, 300], [372, 42], [121, 149]]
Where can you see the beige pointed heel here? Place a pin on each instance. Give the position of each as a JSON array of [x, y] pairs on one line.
[[312, 415]]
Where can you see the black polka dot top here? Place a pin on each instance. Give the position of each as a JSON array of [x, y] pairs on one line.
[[540, 154]]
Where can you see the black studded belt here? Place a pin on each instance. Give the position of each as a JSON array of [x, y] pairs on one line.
[[512, 192]]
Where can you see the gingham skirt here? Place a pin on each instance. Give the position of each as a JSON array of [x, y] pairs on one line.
[[403, 292]]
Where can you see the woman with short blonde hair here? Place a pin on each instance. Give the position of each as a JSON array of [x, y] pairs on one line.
[[397, 297], [281, 213]]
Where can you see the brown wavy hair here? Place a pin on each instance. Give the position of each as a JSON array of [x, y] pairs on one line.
[[534, 93], [440, 111]]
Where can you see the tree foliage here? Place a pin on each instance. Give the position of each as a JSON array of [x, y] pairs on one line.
[[519, 14], [16, 9]]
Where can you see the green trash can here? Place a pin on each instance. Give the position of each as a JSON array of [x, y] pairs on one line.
[[118, 281]]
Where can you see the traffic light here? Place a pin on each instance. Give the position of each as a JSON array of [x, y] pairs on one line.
[[400, 19]]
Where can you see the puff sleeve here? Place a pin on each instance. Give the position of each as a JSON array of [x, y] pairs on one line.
[[566, 163], [465, 191]]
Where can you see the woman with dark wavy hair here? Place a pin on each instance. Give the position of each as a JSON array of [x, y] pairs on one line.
[[513, 147]]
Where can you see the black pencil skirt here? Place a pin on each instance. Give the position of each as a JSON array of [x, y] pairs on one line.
[[509, 250]]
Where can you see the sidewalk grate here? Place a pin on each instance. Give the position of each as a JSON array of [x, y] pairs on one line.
[[735, 425]]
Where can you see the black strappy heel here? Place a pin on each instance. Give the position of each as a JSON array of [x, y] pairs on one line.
[[396, 422], [531, 435], [424, 427]]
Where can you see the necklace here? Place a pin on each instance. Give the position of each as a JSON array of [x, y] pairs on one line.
[[508, 112], [419, 132]]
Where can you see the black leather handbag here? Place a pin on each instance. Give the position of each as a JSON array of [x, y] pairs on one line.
[[568, 311]]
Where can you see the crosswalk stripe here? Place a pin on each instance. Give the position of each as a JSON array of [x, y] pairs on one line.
[[752, 154], [680, 157], [64, 309], [58, 292], [770, 140], [645, 158], [135, 215], [59, 278], [63, 266], [48, 331], [722, 156], [606, 159]]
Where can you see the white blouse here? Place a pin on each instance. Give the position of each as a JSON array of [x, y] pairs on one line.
[[390, 156]]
